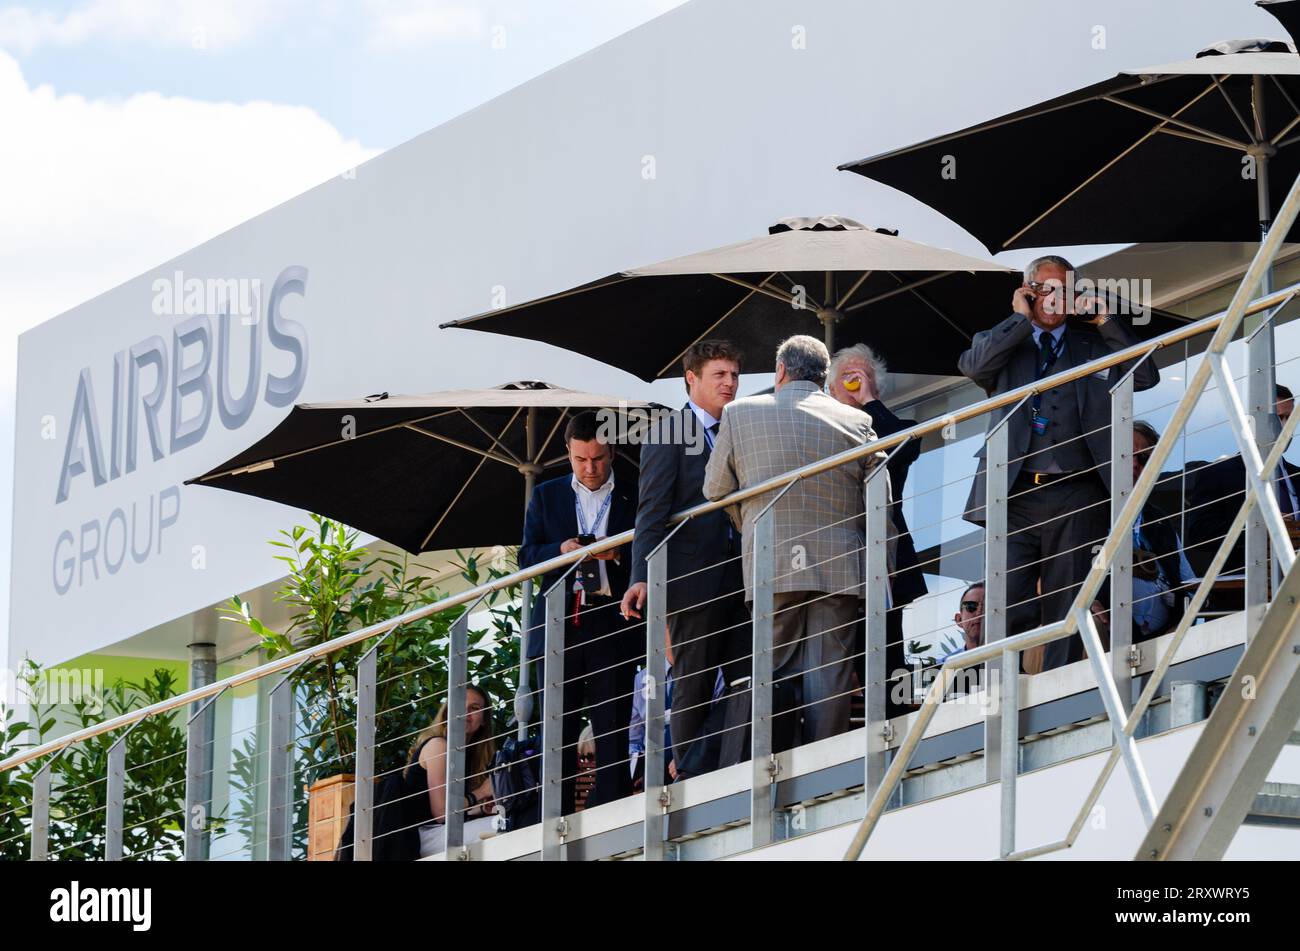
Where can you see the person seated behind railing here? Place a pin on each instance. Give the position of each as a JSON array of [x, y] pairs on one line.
[[1160, 568], [970, 624], [1215, 492], [857, 378], [427, 770]]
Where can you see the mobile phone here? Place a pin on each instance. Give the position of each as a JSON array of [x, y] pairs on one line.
[[585, 540]]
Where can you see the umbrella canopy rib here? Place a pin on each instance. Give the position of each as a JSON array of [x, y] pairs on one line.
[[485, 453], [1031, 113], [896, 291], [1109, 165], [1174, 120], [844, 300], [1294, 108], [930, 304], [496, 440], [272, 460], [1241, 120], [709, 329], [563, 415], [757, 288], [452, 504]]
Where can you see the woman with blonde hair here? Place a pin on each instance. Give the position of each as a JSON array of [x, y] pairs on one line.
[[429, 756]]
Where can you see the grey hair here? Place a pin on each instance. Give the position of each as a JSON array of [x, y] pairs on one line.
[[1031, 269], [861, 353], [1144, 429], [804, 358]]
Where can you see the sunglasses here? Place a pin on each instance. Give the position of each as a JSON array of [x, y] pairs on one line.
[[971, 607]]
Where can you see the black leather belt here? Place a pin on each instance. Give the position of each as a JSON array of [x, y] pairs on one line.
[[1048, 478]]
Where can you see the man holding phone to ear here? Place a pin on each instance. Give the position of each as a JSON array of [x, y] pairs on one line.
[[1059, 458], [601, 649]]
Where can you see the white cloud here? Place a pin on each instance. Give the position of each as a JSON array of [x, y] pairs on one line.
[[204, 24], [98, 191]]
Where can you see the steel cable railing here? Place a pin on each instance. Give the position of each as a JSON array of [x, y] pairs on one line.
[[284, 665]]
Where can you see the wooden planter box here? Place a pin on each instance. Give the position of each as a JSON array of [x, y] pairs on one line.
[[328, 802]]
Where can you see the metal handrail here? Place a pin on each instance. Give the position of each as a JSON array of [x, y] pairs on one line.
[[1078, 619], [1269, 301]]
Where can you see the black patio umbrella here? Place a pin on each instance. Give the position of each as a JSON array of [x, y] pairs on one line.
[[432, 472], [1198, 150], [1287, 13], [917, 306]]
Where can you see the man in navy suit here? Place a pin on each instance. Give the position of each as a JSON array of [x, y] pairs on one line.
[[708, 623], [601, 649]]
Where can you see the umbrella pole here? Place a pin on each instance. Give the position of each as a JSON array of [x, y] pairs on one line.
[[1263, 151], [1261, 376], [523, 694]]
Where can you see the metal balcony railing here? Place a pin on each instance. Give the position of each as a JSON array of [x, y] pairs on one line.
[[1259, 515]]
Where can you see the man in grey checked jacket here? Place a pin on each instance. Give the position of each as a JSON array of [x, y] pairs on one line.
[[819, 524]]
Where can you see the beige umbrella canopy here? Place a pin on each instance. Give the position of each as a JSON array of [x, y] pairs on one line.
[[831, 276]]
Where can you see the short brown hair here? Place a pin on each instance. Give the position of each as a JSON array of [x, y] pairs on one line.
[[584, 427], [701, 352]]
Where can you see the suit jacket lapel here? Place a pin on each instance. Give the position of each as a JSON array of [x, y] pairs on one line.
[[621, 512], [569, 517], [691, 429], [1023, 369], [1077, 353]]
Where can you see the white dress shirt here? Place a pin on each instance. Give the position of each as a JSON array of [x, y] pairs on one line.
[[589, 505], [706, 420]]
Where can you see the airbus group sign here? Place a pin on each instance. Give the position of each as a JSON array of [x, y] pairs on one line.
[[151, 381]]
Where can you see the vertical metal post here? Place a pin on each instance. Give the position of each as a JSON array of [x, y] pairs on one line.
[[1121, 568], [531, 469], [200, 754], [198, 779], [279, 831], [876, 587], [524, 704], [457, 694], [363, 802], [656, 684], [115, 799], [115, 796], [554, 828], [762, 762], [41, 811], [1009, 754], [996, 452]]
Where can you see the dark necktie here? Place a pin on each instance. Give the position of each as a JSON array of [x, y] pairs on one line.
[[1046, 353], [1046, 357]]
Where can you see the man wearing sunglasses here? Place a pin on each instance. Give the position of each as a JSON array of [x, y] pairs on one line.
[[1059, 458]]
